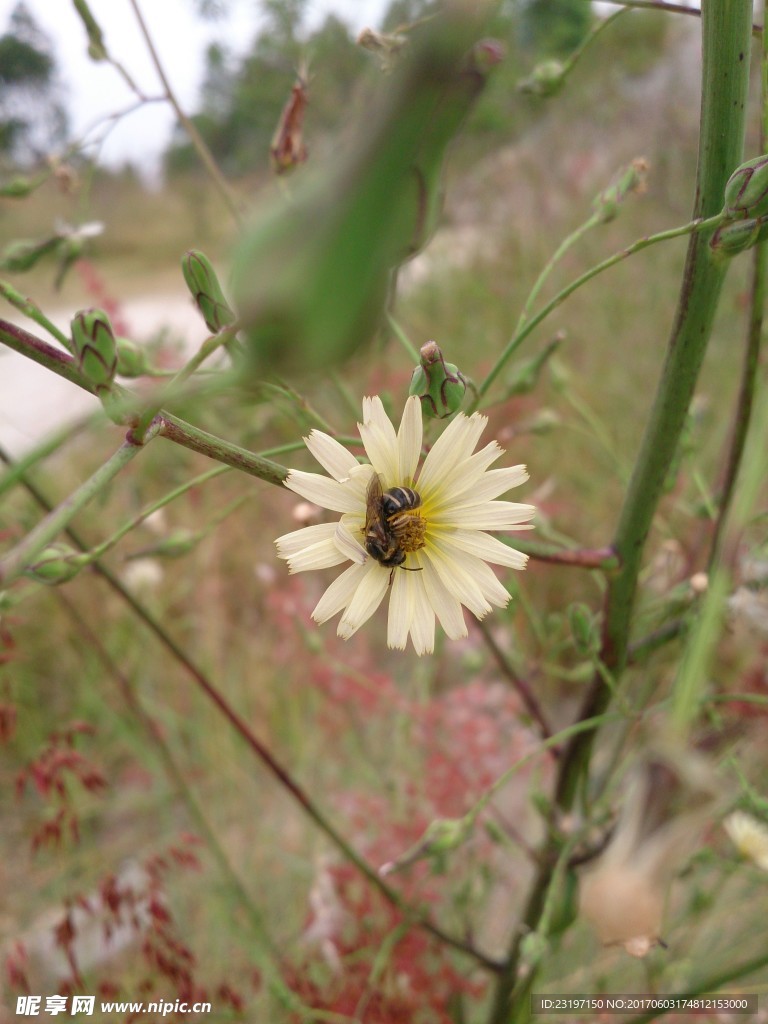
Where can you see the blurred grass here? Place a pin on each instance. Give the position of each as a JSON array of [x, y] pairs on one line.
[[240, 617]]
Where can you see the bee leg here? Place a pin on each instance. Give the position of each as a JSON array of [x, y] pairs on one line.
[[391, 576]]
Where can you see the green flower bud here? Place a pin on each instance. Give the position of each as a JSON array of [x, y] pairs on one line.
[[94, 346], [533, 948], [19, 188], [438, 384], [440, 838], [116, 408], [631, 179], [525, 376], [206, 291], [547, 78], [23, 255], [97, 49], [58, 563], [131, 358], [583, 629], [567, 909], [746, 191], [175, 545], [737, 236]]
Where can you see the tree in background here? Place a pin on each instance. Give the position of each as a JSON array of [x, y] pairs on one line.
[[242, 100], [32, 118]]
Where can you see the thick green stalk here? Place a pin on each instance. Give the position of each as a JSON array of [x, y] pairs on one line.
[[726, 31], [750, 373]]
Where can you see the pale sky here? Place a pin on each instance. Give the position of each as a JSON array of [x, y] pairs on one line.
[[94, 91]]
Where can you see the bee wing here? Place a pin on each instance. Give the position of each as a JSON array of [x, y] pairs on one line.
[[373, 496]]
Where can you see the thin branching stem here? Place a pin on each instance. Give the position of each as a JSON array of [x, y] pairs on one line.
[[671, 8], [221, 183], [695, 227], [520, 685], [19, 558], [413, 914]]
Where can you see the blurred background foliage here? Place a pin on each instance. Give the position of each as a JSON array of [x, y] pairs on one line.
[[521, 176]]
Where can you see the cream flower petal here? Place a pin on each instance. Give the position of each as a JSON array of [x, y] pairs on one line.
[[422, 616], [379, 439], [322, 555], [332, 456], [483, 577], [490, 515], [366, 599], [291, 543], [400, 612], [409, 438], [447, 607], [492, 483], [324, 492], [464, 474], [458, 582], [456, 443], [340, 593], [486, 547], [347, 544]]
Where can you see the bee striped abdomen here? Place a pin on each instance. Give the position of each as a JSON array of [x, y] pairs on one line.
[[399, 499]]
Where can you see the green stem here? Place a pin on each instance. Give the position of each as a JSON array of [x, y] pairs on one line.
[[578, 558], [198, 440], [695, 227], [26, 306], [671, 8], [403, 338], [17, 560], [751, 366], [414, 915], [726, 28], [211, 345], [13, 476], [41, 352], [558, 254], [520, 685], [171, 427], [105, 546], [239, 897], [594, 34]]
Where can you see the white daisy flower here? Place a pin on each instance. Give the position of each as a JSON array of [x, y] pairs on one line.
[[444, 540], [749, 836]]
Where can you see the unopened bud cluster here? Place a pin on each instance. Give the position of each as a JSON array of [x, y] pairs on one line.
[[745, 209], [631, 179], [205, 289], [95, 349], [439, 385], [58, 563], [546, 79]]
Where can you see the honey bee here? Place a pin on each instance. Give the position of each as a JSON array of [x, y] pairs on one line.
[[389, 524]]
